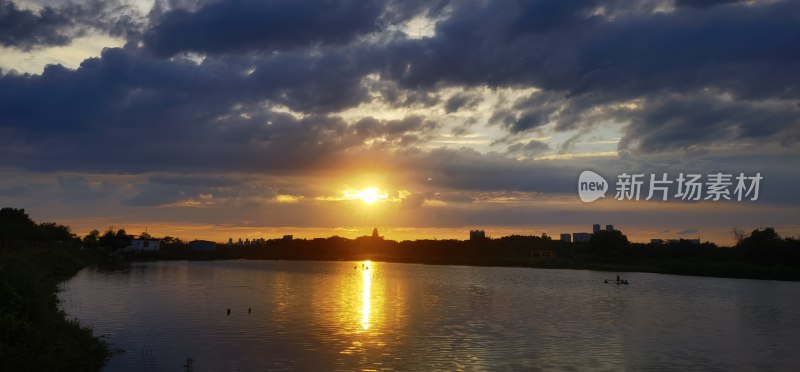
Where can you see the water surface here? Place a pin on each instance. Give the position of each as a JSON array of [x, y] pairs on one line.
[[386, 316]]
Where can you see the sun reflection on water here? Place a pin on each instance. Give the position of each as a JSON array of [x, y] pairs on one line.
[[366, 293]]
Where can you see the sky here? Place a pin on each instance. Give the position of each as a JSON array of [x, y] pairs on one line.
[[258, 118]]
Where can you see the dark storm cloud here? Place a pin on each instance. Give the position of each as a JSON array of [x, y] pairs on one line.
[[256, 25], [26, 29], [461, 100], [76, 189], [243, 25], [746, 51], [55, 26], [529, 113], [704, 3], [127, 112], [482, 44], [531, 148], [675, 122], [207, 181], [403, 132], [708, 75], [470, 170]]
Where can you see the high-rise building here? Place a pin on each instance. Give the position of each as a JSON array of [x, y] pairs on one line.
[[477, 234], [580, 237], [566, 238], [609, 227], [595, 228]]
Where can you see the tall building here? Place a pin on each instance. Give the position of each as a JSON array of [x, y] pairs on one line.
[[566, 238], [595, 228], [477, 234], [609, 227], [580, 237]]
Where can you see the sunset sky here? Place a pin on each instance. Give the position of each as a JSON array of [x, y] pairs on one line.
[[258, 118]]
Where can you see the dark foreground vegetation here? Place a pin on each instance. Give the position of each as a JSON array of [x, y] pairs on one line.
[[35, 334]]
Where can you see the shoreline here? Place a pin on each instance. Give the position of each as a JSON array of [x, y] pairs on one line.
[[37, 334], [727, 270]]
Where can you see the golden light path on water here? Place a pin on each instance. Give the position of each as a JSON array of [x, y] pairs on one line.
[[366, 293]]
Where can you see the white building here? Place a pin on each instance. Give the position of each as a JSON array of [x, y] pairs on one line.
[[142, 245]]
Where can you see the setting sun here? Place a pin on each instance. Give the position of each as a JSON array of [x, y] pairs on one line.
[[369, 195]]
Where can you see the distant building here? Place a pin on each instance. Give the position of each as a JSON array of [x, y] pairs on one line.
[[673, 241], [288, 237], [145, 245], [477, 235], [542, 253], [595, 228], [202, 245], [581, 237], [609, 227], [230, 241], [566, 238], [375, 233]]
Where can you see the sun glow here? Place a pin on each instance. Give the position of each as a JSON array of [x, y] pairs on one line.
[[369, 195]]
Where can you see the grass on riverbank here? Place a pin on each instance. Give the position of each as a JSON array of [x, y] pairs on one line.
[[35, 334]]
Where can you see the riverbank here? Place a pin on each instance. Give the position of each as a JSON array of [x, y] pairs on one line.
[[724, 268], [35, 334]]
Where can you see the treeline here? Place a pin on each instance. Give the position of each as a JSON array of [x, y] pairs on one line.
[[762, 255], [763, 247], [35, 334], [17, 229]]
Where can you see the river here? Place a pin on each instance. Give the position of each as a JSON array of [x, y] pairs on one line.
[[309, 315]]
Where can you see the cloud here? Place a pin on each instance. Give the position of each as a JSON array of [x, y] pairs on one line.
[[264, 26], [26, 29], [681, 121], [703, 3], [461, 100], [285, 88], [592, 61], [530, 149]]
